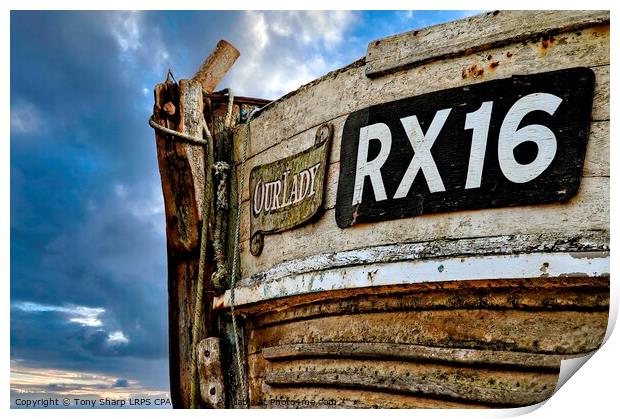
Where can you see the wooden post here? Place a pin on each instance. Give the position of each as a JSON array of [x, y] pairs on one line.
[[216, 66], [184, 176]]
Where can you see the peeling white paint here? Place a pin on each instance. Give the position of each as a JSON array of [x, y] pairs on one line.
[[530, 265]]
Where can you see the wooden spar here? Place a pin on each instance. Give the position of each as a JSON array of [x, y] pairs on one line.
[[182, 169], [178, 176], [216, 66]]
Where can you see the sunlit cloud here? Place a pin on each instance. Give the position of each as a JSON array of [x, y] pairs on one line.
[[287, 49], [33, 381], [117, 338], [85, 316], [126, 29]]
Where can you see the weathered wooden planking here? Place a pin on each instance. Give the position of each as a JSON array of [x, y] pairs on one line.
[[411, 353], [302, 305], [578, 242], [484, 343], [210, 372], [597, 152], [501, 143], [344, 91], [477, 33], [343, 398], [600, 109], [457, 383], [588, 210], [549, 294], [552, 332]]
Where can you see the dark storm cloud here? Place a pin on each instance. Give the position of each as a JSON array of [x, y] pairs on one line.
[[86, 215], [121, 382]]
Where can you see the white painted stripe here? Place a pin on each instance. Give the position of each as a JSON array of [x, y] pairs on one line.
[[530, 265]]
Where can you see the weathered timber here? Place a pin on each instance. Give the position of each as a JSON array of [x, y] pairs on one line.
[[344, 398], [448, 352], [476, 295], [545, 294], [559, 332], [411, 352], [587, 211], [481, 385], [216, 66], [440, 345], [477, 33], [210, 372], [182, 175], [584, 241]]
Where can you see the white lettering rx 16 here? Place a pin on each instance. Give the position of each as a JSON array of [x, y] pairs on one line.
[[288, 190], [510, 136]]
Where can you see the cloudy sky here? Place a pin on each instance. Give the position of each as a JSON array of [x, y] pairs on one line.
[[88, 260]]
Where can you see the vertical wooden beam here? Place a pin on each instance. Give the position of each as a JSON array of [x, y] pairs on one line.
[[185, 174], [181, 167]]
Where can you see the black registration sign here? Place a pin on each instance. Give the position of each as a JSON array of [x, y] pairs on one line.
[[516, 141]]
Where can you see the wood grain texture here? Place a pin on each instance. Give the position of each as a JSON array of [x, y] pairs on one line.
[[560, 332], [587, 211], [298, 306], [481, 385], [410, 352], [343, 398], [447, 345], [215, 67], [210, 372], [477, 33], [181, 168], [535, 295]]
